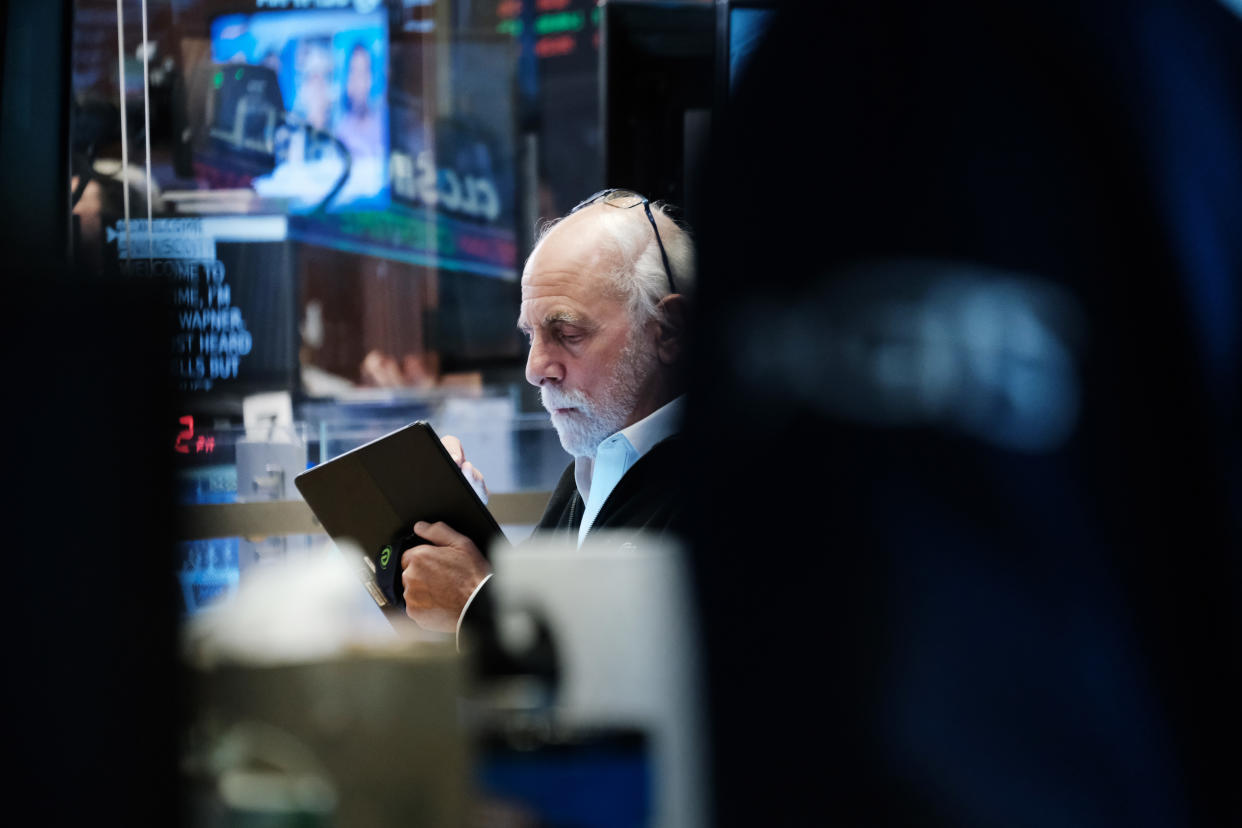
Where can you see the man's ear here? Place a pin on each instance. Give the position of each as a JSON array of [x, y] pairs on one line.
[[671, 332]]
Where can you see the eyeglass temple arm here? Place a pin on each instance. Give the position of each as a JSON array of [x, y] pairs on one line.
[[668, 271]]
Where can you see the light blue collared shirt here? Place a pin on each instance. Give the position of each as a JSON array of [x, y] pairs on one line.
[[597, 476]]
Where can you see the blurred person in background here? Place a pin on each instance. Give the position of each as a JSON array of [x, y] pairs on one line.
[[604, 304], [359, 126], [314, 96], [973, 349]]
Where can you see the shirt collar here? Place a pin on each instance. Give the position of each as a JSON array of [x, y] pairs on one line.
[[664, 422]]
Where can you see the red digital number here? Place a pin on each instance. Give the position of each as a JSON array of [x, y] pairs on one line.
[[187, 434]]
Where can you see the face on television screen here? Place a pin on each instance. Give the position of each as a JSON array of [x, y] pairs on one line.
[[328, 146]]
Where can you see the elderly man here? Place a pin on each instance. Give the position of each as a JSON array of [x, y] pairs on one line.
[[604, 307]]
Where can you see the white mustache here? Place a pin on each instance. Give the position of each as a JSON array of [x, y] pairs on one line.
[[554, 398]]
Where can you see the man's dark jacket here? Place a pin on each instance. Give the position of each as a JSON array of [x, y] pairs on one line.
[[649, 498]]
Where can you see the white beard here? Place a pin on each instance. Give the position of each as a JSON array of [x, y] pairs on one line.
[[582, 431]]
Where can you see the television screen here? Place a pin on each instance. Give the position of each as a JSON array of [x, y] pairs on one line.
[[330, 121], [328, 143]]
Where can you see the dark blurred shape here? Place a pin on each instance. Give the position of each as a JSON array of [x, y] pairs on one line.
[[473, 326], [546, 777], [234, 112], [93, 689], [325, 741], [656, 89], [920, 342], [94, 125], [965, 416]]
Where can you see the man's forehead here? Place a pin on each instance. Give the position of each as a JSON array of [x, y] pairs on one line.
[[568, 273], [549, 283], [549, 297], [552, 273], [544, 303], [578, 245]]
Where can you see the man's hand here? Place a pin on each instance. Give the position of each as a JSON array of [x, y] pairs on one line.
[[455, 450], [440, 576]]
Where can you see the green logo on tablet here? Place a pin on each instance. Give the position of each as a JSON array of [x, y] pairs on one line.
[[385, 556]]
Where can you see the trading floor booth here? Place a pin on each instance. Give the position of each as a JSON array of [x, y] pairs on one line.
[[245, 238]]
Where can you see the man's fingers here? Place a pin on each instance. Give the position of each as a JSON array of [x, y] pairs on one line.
[[453, 445], [424, 549], [438, 577], [440, 534], [407, 557], [474, 474]]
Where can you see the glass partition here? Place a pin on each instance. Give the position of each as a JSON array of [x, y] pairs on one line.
[[338, 194], [336, 197]]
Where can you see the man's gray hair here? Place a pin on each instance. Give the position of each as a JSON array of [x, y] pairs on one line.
[[641, 281]]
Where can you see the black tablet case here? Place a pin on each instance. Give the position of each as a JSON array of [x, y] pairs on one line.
[[372, 495]]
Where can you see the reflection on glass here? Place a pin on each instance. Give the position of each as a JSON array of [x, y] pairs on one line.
[[332, 187]]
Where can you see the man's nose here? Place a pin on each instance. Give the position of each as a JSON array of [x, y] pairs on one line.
[[542, 366]]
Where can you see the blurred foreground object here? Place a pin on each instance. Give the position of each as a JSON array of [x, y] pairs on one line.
[[965, 416], [309, 709], [600, 721]]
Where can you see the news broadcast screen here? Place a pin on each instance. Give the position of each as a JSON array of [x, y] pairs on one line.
[[327, 112], [332, 70]]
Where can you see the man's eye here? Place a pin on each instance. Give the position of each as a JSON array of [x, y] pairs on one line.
[[571, 338]]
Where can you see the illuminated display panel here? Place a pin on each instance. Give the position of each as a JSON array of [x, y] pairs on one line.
[[560, 28], [249, 230], [383, 176], [331, 68]]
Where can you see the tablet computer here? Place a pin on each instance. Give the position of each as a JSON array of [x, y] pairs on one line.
[[372, 496]]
